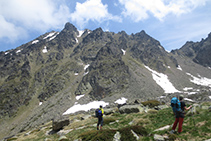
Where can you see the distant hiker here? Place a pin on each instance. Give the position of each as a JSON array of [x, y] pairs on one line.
[[99, 113], [179, 111]]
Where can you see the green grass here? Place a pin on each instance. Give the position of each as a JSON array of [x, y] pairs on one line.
[[195, 127]]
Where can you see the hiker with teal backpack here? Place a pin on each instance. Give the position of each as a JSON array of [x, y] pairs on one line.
[[178, 107], [99, 114]]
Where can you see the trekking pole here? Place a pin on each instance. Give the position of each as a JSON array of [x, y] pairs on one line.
[[193, 118]]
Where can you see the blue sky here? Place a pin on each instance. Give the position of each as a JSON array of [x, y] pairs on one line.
[[172, 22]]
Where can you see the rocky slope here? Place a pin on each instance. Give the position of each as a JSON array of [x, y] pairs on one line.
[[41, 79]]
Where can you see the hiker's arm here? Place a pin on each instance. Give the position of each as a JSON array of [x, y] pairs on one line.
[[188, 108]]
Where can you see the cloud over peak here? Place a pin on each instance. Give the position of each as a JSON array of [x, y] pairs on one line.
[[91, 10]]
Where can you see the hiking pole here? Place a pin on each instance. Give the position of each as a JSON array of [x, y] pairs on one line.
[[193, 117]]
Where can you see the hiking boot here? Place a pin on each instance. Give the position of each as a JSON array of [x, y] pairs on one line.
[[172, 132]]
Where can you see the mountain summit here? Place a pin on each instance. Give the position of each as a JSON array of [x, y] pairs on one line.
[[41, 79]]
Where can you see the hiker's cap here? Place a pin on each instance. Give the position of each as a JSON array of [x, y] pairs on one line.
[[181, 96]]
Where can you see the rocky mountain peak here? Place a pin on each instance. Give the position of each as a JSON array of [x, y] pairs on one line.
[[70, 27]]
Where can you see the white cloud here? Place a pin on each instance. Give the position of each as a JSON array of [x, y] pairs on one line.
[[140, 9], [21, 16], [9, 30], [91, 10], [37, 14]]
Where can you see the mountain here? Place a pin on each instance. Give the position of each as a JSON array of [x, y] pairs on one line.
[[41, 79], [199, 52]]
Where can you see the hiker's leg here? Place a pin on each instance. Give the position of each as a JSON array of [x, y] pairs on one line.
[[175, 123], [101, 125], [180, 125], [98, 123]]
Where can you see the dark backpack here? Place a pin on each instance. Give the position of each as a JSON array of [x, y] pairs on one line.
[[176, 105], [98, 113]]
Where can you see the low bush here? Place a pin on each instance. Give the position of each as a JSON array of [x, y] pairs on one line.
[[126, 134], [108, 120], [101, 135]]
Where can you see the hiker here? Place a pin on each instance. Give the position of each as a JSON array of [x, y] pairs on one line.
[[179, 115], [100, 118]]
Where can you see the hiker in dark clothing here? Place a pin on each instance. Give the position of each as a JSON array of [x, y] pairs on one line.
[[100, 118], [180, 115]]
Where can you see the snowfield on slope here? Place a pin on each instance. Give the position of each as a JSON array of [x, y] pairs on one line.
[[163, 81], [91, 105]]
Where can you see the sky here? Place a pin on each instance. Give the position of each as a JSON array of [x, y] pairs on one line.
[[171, 22]]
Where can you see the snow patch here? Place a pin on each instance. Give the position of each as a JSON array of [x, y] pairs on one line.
[[85, 107], [210, 97], [86, 73], [40, 103], [76, 74], [6, 53], [35, 41], [18, 51], [121, 101], [191, 93], [179, 68], [45, 50], [49, 35], [200, 80], [76, 40], [187, 99], [163, 81], [162, 97], [86, 66], [160, 47], [79, 96], [123, 51], [80, 33], [187, 88], [53, 37]]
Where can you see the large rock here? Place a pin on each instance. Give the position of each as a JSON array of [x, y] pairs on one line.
[[131, 109], [117, 136], [158, 137], [160, 107], [108, 111], [60, 122]]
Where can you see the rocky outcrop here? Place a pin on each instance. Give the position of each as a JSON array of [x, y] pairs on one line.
[[197, 51], [127, 109], [59, 123]]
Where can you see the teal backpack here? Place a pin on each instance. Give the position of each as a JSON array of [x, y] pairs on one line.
[[176, 105]]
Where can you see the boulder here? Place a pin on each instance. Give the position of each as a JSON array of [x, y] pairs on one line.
[[85, 117], [63, 138], [117, 136], [108, 111], [135, 135], [131, 109], [59, 122], [160, 107], [205, 107], [158, 137]]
